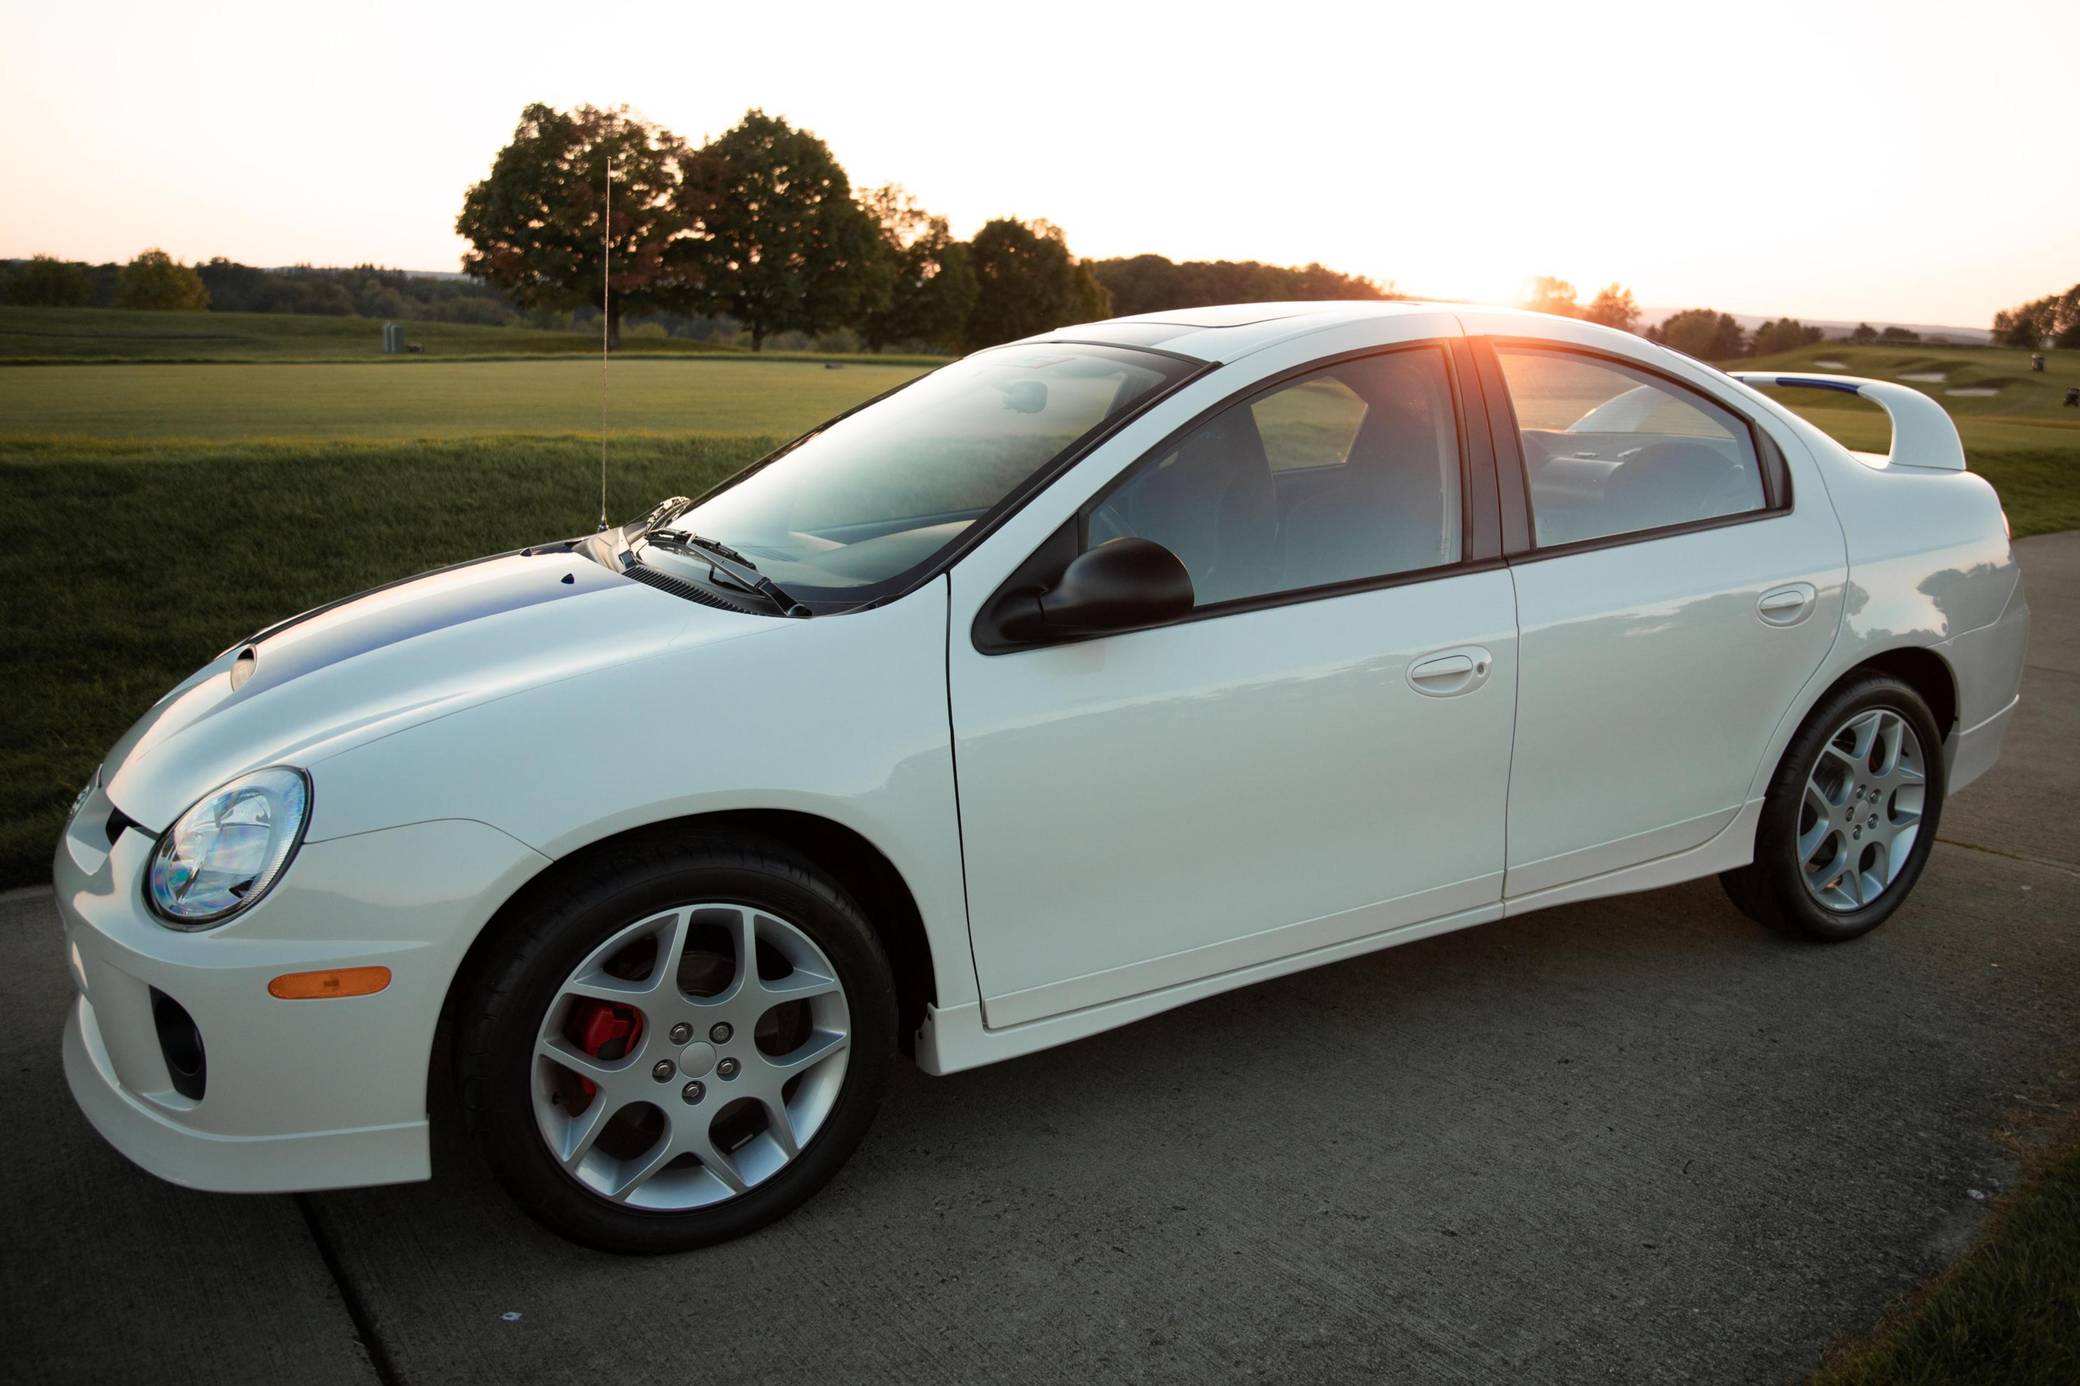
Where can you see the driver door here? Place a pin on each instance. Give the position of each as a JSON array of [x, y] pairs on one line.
[[1317, 754]]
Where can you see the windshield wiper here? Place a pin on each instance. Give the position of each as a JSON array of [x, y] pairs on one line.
[[723, 559]]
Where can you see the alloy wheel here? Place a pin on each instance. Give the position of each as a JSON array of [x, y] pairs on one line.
[[1862, 810], [690, 1057]]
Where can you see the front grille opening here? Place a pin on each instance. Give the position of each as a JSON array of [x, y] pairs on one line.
[[180, 1042], [119, 823]]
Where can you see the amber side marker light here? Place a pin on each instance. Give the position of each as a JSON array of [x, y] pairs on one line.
[[340, 981]]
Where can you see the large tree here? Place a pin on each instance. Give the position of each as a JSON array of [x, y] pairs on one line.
[[157, 280], [923, 286], [1550, 295], [1026, 281], [775, 238], [535, 225], [1613, 307], [2055, 316], [2022, 326], [1783, 334], [1702, 333]]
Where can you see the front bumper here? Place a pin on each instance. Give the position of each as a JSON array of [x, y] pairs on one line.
[[304, 1094]]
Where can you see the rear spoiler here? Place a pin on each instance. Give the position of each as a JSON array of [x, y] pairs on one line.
[[1923, 434]]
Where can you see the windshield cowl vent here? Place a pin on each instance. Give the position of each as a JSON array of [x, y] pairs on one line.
[[692, 592]]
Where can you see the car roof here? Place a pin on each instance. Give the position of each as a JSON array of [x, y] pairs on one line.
[[1225, 332]]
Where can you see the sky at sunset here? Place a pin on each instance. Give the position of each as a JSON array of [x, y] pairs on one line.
[[1901, 162]]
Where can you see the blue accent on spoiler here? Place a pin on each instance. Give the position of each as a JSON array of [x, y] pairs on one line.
[[1806, 382]]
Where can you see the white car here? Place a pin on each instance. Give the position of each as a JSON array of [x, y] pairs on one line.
[[1082, 678]]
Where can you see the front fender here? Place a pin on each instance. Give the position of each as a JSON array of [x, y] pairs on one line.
[[844, 717]]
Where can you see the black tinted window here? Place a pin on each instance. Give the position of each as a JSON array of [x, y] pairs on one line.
[[1350, 472]]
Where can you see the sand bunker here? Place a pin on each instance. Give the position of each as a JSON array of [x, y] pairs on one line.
[[1978, 391], [1832, 365], [1926, 377]]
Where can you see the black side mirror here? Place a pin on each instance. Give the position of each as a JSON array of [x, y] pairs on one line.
[[1116, 586]]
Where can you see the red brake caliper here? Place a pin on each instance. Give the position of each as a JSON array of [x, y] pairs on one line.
[[606, 1031]]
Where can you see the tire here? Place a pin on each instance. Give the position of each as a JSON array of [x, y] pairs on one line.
[[1819, 896], [526, 1039]]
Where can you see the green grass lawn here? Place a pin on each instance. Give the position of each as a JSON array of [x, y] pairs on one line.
[[240, 402], [116, 334], [34, 335]]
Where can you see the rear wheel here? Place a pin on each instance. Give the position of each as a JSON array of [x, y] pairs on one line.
[[1850, 815], [685, 1040]]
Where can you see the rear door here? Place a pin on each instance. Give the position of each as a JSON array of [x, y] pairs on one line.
[[1673, 597]]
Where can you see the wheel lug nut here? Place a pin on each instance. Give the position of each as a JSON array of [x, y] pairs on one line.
[[693, 1092], [663, 1071], [726, 1069], [720, 1032], [681, 1033]]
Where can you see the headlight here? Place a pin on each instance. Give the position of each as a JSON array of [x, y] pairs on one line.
[[229, 849]]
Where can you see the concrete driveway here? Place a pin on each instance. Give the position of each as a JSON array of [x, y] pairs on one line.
[[1634, 1139]]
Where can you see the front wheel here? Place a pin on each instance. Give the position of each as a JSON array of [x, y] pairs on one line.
[[1849, 817], [684, 1039]]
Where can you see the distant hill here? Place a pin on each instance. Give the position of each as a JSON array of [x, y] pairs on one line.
[[1963, 336]]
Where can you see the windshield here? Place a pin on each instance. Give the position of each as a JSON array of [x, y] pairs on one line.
[[854, 510]]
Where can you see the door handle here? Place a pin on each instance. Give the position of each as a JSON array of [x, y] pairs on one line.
[[1444, 673], [1786, 606]]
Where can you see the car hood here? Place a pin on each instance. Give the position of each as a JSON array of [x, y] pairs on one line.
[[344, 674]]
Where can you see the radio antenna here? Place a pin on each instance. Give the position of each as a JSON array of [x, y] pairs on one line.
[[606, 247]]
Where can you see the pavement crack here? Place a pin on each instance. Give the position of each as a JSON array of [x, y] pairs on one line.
[[2064, 867], [357, 1308]]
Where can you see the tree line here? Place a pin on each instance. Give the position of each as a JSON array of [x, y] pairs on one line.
[[1154, 284], [156, 280], [931, 296], [931, 301], [1704, 333], [153, 280], [2054, 318]]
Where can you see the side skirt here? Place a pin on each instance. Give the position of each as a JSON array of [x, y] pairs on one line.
[[1732, 846], [954, 1038]]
